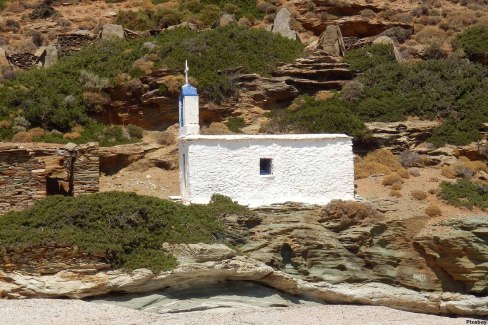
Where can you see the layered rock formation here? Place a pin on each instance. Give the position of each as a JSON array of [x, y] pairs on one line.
[[207, 264], [299, 241], [397, 136]]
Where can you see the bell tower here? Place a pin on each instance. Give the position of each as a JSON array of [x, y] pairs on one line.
[[188, 108]]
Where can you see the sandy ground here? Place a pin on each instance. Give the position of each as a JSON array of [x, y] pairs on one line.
[[67, 312]]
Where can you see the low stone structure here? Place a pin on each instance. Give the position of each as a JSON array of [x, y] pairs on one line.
[[29, 172]]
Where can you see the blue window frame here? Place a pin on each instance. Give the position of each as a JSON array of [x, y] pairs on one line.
[[265, 166]]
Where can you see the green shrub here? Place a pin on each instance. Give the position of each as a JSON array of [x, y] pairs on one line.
[[246, 7], [474, 42], [307, 115], [465, 193], [135, 131], [368, 57], [3, 4], [235, 124], [126, 228], [135, 20]]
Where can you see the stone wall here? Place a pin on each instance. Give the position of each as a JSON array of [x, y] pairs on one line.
[[29, 172]]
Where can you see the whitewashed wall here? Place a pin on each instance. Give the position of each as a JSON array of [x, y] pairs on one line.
[[306, 168]]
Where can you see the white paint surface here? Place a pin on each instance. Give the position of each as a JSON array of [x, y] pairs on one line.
[[306, 168]]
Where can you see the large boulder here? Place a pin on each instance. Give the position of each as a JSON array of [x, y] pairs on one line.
[[112, 31], [331, 41], [227, 19], [48, 56], [281, 24], [388, 41]]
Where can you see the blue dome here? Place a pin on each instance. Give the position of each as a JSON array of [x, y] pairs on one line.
[[189, 90]]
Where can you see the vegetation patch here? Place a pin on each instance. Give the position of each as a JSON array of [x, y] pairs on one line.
[[126, 228], [474, 42], [449, 89], [72, 91], [308, 115], [465, 193], [369, 57], [203, 14], [235, 124]]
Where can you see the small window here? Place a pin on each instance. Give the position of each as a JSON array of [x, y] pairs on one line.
[[265, 166]]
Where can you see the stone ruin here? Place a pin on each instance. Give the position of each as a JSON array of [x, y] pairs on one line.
[[29, 172]]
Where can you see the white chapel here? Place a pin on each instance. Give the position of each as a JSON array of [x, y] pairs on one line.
[[257, 170]]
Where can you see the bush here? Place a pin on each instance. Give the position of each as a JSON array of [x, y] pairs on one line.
[[368, 57], [396, 186], [395, 193], [352, 91], [381, 161], [135, 20], [433, 211], [127, 229], [418, 195], [135, 132], [307, 115], [235, 124], [465, 193], [474, 42], [341, 215], [391, 179], [22, 136]]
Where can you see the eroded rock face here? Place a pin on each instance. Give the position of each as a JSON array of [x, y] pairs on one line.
[[202, 264], [300, 242], [398, 136], [459, 249]]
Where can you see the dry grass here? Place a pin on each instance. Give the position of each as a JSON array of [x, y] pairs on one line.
[[340, 215], [464, 168], [392, 179], [433, 211], [394, 193], [36, 132], [22, 136], [5, 124], [143, 65], [396, 186], [71, 135], [381, 161], [418, 195], [215, 128]]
